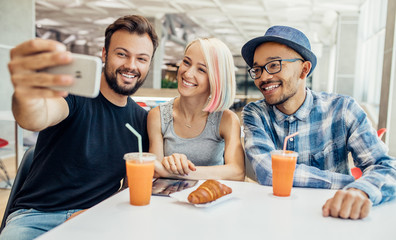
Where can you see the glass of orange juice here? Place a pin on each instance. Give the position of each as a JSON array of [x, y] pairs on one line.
[[283, 166], [140, 172]]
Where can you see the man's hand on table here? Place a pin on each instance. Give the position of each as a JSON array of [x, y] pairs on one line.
[[352, 203]]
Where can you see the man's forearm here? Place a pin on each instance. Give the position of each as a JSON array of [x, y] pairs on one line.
[[30, 114], [36, 114]]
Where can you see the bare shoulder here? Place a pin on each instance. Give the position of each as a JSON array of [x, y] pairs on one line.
[[229, 117], [230, 124], [154, 119], [153, 114]]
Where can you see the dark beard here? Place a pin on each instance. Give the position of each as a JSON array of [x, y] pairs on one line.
[[277, 103], [111, 80], [281, 101]]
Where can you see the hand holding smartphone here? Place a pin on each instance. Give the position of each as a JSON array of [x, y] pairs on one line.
[[86, 71]]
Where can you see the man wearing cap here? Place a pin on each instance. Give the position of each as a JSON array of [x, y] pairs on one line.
[[329, 125]]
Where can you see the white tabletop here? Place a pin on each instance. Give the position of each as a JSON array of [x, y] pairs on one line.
[[251, 213]]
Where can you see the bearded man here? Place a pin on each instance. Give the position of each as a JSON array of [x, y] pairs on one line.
[[78, 159]]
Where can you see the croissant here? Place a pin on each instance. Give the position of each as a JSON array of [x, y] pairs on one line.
[[209, 191]]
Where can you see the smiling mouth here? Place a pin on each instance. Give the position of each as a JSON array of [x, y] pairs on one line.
[[189, 84], [130, 76], [268, 86], [272, 87]]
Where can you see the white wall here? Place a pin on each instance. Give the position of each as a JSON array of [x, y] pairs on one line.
[[153, 79], [346, 54], [370, 56], [16, 25], [387, 110]]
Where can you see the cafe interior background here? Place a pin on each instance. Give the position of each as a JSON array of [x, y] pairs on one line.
[[353, 40]]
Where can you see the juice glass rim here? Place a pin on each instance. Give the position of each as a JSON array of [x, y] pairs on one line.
[[288, 153], [146, 157]]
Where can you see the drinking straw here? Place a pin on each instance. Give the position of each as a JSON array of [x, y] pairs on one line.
[[287, 138], [139, 137]]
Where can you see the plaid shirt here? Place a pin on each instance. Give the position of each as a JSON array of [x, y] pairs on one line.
[[330, 126]]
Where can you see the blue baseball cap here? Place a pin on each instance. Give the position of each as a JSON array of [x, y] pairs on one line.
[[288, 36]]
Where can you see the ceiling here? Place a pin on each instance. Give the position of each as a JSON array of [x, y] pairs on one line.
[[81, 23]]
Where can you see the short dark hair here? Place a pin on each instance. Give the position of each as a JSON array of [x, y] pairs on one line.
[[133, 24]]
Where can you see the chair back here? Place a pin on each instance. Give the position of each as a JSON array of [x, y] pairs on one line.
[[3, 142], [357, 172], [381, 132], [20, 177]]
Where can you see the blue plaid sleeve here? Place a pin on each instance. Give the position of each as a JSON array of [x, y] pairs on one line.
[[258, 144], [371, 155]]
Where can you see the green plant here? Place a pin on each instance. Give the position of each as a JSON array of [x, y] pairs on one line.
[[168, 84]]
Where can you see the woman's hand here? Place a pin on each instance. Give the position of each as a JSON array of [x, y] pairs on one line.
[[178, 164]]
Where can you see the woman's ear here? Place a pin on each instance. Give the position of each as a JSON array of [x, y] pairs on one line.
[[306, 67]]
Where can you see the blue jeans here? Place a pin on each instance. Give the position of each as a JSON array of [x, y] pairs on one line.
[[27, 224]]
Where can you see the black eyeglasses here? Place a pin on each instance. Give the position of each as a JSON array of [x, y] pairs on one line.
[[271, 67]]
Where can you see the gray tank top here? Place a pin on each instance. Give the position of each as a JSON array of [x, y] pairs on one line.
[[207, 149]]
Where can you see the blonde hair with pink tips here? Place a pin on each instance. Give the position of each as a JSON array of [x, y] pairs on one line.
[[221, 73]]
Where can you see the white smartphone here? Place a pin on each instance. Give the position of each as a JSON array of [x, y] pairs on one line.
[[86, 71]]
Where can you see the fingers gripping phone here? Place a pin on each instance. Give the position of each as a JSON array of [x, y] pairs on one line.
[[86, 71]]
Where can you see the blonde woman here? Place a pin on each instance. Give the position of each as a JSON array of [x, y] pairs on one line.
[[195, 135]]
